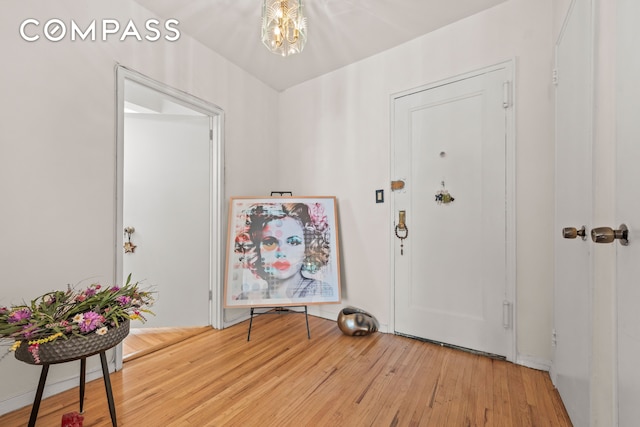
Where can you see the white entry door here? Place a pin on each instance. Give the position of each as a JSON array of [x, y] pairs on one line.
[[452, 271], [571, 372]]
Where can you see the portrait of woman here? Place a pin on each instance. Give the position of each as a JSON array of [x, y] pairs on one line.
[[282, 252]]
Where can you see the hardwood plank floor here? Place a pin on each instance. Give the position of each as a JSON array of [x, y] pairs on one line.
[[143, 341], [217, 378]]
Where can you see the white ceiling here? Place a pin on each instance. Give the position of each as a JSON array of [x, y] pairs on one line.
[[340, 32]]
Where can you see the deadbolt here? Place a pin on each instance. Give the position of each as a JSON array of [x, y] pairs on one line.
[[572, 233], [608, 235]]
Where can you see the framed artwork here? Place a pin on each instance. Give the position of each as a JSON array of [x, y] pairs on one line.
[[282, 251]]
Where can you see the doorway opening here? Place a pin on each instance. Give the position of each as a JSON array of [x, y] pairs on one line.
[[169, 229]]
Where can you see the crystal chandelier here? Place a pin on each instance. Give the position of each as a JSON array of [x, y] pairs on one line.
[[284, 27]]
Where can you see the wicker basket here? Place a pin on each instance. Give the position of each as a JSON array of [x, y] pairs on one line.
[[75, 347]]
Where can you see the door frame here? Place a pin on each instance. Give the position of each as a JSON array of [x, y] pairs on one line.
[[216, 209], [510, 196]]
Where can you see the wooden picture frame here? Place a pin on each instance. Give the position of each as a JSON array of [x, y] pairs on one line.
[[282, 251]]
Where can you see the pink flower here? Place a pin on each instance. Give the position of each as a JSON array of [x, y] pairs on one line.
[[90, 321], [28, 330], [34, 350], [19, 315], [318, 217], [123, 299]]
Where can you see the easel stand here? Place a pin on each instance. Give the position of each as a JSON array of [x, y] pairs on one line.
[[83, 371], [279, 310]]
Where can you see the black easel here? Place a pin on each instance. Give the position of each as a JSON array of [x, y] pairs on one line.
[[279, 310], [83, 371]]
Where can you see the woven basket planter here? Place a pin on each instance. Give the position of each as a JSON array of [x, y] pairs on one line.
[[74, 348]]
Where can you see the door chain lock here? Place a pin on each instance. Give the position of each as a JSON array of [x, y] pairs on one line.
[[402, 231]]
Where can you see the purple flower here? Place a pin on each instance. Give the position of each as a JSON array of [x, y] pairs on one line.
[[90, 292], [115, 289], [90, 321], [124, 300], [28, 330], [19, 315]]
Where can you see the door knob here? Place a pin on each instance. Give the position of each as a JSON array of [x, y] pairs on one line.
[[572, 233], [608, 235]]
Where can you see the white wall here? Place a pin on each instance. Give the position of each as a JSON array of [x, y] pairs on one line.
[[340, 122], [57, 150]]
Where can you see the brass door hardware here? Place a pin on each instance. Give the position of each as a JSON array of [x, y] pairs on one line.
[[608, 235], [402, 232], [572, 232], [397, 185], [402, 219]]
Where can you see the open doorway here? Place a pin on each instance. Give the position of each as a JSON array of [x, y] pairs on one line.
[[169, 207]]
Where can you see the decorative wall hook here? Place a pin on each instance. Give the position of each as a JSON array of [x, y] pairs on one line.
[[128, 246], [443, 196]]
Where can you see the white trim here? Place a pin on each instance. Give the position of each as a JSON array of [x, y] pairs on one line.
[[534, 363], [217, 212], [510, 196]]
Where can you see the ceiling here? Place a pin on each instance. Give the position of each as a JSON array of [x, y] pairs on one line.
[[340, 32]]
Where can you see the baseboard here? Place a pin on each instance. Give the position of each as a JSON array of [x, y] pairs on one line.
[[50, 389], [331, 313], [534, 362]]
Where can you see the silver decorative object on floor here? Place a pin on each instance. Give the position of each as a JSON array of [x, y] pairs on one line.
[[353, 321]]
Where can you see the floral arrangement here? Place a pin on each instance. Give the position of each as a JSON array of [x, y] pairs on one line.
[[63, 314]]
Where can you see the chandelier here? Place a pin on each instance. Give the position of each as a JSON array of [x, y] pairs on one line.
[[284, 27]]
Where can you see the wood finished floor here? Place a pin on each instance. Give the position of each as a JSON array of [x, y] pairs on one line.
[[143, 341], [280, 378]]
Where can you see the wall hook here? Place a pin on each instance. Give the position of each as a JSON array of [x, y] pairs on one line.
[[128, 246]]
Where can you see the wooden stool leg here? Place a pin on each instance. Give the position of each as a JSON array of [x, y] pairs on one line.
[[38, 399], [107, 385], [83, 378]]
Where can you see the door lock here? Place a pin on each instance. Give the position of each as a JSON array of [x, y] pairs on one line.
[[608, 235], [402, 231], [402, 220], [572, 233]]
